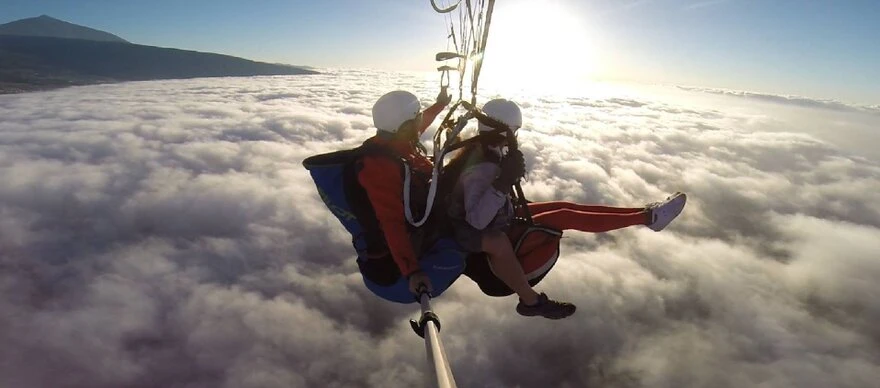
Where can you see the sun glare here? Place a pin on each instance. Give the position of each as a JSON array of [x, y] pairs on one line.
[[534, 42]]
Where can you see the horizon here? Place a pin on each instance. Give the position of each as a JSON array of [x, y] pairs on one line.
[[822, 51]]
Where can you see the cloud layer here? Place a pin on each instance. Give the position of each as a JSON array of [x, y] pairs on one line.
[[165, 234], [792, 100]]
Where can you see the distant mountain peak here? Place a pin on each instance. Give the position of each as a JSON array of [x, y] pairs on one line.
[[47, 26]]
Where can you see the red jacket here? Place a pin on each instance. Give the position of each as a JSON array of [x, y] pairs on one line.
[[382, 180]]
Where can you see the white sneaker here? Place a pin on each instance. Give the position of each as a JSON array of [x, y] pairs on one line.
[[663, 212]]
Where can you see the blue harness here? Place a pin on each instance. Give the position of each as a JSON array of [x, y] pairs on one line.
[[335, 175]]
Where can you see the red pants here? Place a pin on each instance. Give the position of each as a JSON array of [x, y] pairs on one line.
[[586, 218]]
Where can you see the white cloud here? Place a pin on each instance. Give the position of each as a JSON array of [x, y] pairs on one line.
[[165, 233], [783, 99]]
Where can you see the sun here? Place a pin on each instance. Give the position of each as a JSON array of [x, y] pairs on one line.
[[539, 42]]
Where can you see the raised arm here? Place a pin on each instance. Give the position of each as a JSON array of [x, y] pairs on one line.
[[430, 114]]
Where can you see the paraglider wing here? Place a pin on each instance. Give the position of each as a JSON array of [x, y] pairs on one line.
[[446, 9]]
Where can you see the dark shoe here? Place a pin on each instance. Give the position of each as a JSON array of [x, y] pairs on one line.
[[546, 307]]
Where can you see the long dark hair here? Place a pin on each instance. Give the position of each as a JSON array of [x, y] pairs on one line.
[[452, 171], [484, 141], [463, 154]]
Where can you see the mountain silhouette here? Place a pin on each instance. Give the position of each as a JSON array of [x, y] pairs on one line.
[[34, 57], [48, 26]]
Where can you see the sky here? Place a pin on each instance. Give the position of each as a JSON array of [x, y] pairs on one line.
[[818, 49], [165, 233]]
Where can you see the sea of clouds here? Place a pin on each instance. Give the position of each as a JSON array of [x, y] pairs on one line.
[[165, 234]]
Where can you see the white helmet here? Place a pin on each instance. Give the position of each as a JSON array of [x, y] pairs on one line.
[[503, 110], [395, 108]]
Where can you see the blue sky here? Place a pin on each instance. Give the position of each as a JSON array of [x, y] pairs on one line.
[[817, 48]]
